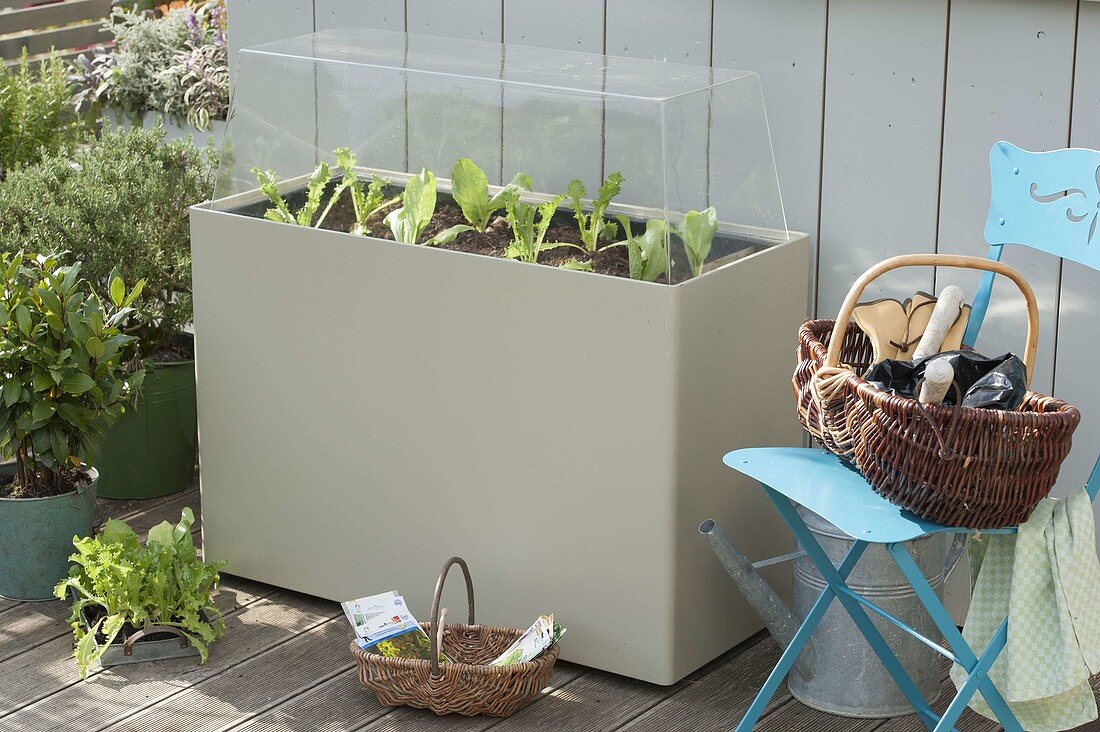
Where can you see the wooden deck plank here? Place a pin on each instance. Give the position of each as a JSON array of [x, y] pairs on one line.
[[719, 698], [255, 685], [971, 721], [119, 691], [30, 624], [165, 508], [48, 668], [338, 704], [793, 716]]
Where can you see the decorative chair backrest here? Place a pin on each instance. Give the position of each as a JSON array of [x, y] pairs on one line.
[[1049, 201]]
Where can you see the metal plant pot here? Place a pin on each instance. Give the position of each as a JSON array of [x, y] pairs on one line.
[[36, 538], [150, 451]]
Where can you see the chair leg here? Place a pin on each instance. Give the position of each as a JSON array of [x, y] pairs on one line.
[[976, 668], [859, 616], [790, 655]]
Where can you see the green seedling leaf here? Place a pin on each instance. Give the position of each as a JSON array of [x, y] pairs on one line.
[[269, 184], [697, 232], [577, 265], [470, 188], [648, 253], [529, 226], [448, 235], [408, 221], [594, 226]]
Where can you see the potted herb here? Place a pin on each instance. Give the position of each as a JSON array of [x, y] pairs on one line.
[[134, 602], [36, 113], [174, 64], [63, 384], [120, 205]]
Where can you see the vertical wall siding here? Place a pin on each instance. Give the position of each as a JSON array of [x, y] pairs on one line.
[[1024, 97], [880, 164], [882, 114], [1075, 369]]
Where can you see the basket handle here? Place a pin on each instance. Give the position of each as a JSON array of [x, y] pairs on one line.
[[435, 637], [832, 359]]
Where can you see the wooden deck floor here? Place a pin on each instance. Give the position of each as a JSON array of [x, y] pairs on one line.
[[284, 665]]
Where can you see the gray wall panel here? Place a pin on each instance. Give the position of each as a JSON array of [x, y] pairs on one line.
[[666, 31], [259, 21], [880, 171], [576, 25], [1023, 97], [1079, 307], [476, 19], [792, 70], [387, 14]]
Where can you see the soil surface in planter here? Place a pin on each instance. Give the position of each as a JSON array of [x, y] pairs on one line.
[[69, 481], [494, 241]]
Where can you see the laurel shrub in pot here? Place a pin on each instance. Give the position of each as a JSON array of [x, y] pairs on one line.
[[120, 204], [62, 384]]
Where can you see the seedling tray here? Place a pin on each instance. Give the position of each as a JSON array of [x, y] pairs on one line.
[[155, 643]]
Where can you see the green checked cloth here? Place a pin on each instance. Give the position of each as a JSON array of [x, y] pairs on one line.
[[1046, 579]]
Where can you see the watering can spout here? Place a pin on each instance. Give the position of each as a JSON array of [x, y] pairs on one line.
[[778, 618]]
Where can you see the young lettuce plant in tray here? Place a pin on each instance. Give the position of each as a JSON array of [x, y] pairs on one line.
[[127, 596]]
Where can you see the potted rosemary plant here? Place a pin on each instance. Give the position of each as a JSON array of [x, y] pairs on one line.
[[63, 385], [120, 204]]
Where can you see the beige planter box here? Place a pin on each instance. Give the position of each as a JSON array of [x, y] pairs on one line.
[[368, 409]]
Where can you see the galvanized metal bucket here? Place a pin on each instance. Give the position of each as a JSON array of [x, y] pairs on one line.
[[36, 539], [850, 680], [837, 671]]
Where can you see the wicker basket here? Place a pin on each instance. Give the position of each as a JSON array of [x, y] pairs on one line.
[[971, 468], [465, 686]]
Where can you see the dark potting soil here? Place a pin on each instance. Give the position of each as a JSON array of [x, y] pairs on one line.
[[495, 239], [68, 481]]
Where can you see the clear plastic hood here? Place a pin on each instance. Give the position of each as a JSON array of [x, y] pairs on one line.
[[690, 143]]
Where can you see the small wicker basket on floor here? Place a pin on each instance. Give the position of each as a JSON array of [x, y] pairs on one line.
[[463, 686], [957, 466]]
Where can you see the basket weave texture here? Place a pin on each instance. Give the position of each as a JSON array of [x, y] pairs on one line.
[[465, 685], [956, 466]]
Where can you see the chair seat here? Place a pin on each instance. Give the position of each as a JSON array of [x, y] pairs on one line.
[[821, 482]]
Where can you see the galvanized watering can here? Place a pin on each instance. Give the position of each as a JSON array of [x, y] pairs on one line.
[[838, 672]]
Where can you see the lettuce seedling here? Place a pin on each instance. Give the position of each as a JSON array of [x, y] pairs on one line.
[[647, 253], [697, 231], [119, 581], [594, 226], [470, 188], [529, 225], [366, 203], [418, 206], [315, 192]]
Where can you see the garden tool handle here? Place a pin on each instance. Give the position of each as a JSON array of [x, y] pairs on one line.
[[437, 637], [832, 358]]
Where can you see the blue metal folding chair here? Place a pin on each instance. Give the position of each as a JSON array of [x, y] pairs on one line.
[[1049, 201]]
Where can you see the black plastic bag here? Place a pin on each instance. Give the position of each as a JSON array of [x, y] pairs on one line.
[[986, 383]]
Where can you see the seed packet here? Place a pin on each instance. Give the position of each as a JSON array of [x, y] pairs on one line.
[[387, 606], [384, 623], [542, 634]]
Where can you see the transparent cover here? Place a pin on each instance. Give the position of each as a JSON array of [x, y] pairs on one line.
[[692, 146]]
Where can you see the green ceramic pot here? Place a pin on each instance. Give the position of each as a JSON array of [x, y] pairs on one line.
[[150, 450], [36, 539]]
